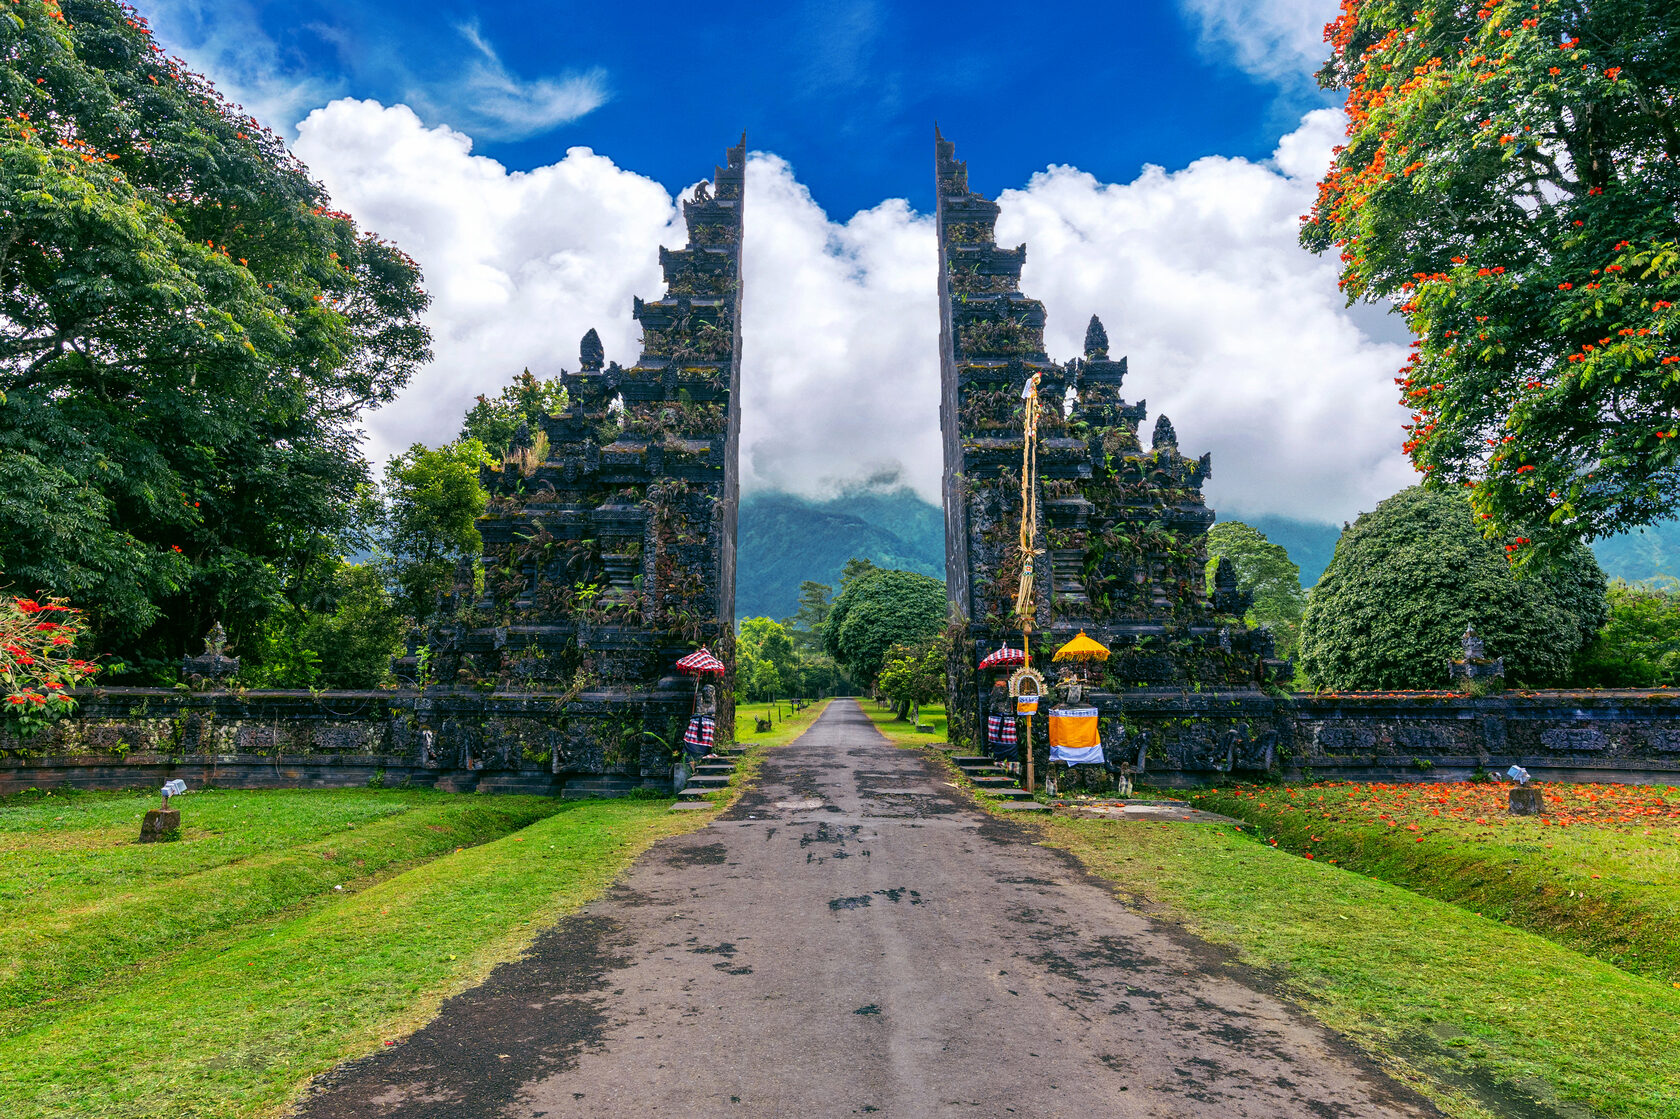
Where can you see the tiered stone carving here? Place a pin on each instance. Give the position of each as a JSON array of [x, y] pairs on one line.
[[609, 548], [1124, 527]]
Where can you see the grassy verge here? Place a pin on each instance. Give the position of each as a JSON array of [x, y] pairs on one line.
[[1600, 873], [901, 732], [237, 1023], [64, 847], [1480, 1016], [48, 955]]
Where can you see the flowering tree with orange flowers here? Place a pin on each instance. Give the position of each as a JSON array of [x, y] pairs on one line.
[[190, 333], [38, 664], [1511, 180]]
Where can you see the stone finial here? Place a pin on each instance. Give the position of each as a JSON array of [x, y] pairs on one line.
[[1473, 650], [213, 664], [522, 436], [1096, 340], [1165, 436], [1225, 574], [591, 354], [1227, 597]]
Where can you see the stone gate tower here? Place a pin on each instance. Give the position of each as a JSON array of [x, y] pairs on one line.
[[609, 546], [1122, 527]]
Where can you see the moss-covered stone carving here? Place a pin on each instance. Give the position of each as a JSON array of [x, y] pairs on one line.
[[1123, 525]]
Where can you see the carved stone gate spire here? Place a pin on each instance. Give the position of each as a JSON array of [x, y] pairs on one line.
[[1124, 526]]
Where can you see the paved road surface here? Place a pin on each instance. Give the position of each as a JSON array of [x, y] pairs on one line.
[[855, 938]]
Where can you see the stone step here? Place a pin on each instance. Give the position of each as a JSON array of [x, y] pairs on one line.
[[994, 781], [715, 770], [708, 781], [1015, 793], [1025, 806], [692, 794], [960, 760]]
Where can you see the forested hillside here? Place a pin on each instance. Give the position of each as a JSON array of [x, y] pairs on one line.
[[785, 539]]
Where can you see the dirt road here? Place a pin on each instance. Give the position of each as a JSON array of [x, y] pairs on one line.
[[854, 937]]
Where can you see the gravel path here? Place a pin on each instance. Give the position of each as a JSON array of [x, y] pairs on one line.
[[854, 937]]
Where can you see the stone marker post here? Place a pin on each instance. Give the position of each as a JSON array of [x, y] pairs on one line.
[[163, 823]]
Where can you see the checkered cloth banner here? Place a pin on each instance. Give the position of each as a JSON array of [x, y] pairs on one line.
[[698, 737], [1000, 730]]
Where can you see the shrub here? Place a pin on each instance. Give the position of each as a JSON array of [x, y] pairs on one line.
[[1408, 577]]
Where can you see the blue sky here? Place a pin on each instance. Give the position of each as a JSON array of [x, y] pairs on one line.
[[846, 90], [1154, 157]]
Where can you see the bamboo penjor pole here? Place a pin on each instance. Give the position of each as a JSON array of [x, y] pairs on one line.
[[1025, 600]]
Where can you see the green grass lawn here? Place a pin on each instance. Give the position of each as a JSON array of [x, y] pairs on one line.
[[785, 723], [1479, 1015], [1599, 873], [285, 932], [901, 732]]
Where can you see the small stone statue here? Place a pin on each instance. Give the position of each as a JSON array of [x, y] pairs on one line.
[[1476, 673], [707, 704], [1071, 689], [1473, 650], [204, 670]]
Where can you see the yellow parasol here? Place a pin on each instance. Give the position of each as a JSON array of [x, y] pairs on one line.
[[1081, 648]]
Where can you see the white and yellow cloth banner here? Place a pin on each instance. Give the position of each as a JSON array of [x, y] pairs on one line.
[[1073, 736]]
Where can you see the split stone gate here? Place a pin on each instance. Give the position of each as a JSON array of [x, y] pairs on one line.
[[609, 552]]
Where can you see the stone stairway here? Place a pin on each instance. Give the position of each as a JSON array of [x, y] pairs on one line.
[[711, 774], [994, 782]]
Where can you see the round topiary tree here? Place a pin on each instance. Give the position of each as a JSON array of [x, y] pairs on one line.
[[1406, 580], [879, 610]]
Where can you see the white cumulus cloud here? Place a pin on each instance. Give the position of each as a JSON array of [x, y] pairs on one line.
[[840, 361], [1230, 327], [519, 264], [1279, 40]]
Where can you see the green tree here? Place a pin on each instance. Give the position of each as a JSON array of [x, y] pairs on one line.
[[856, 568], [912, 675], [344, 637], [1264, 570], [806, 625], [492, 420], [188, 334], [877, 610], [433, 501], [1639, 647], [1408, 577], [1511, 178], [769, 644]]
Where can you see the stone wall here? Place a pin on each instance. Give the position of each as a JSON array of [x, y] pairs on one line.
[[590, 744], [1190, 738]]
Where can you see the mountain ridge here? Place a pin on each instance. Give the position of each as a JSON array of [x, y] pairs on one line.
[[785, 539]]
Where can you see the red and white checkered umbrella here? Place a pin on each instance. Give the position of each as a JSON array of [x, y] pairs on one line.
[[701, 663], [1004, 658]]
